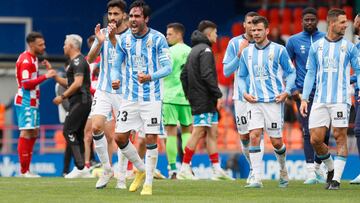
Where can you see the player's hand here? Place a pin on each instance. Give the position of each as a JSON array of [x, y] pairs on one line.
[[111, 29], [219, 104], [57, 100], [47, 64], [281, 97], [250, 98], [50, 73], [100, 36], [296, 95], [115, 84], [243, 45], [303, 108], [142, 77]]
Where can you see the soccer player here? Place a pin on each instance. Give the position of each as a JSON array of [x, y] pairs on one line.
[[176, 107], [298, 48], [145, 54], [199, 82], [27, 99], [357, 121], [329, 64], [106, 99], [78, 93], [231, 64], [266, 64]]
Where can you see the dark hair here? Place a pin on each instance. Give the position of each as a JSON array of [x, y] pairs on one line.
[[117, 3], [178, 27], [251, 14], [32, 36], [260, 19], [334, 13], [206, 24], [145, 8], [309, 10]]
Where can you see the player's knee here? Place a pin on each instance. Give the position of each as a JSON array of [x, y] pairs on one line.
[[97, 128], [121, 140], [314, 140]]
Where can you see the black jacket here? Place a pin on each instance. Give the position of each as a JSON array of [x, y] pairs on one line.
[[198, 78]]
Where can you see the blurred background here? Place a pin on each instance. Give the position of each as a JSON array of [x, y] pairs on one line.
[[55, 19]]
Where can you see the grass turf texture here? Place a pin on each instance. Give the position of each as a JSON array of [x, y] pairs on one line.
[[83, 190]]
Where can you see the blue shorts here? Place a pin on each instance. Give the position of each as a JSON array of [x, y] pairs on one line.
[[206, 119], [28, 117]]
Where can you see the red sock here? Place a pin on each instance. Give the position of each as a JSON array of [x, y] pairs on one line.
[[129, 166], [24, 154], [31, 149], [188, 155], [214, 158]]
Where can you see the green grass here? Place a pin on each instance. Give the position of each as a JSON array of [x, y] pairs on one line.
[[83, 190]]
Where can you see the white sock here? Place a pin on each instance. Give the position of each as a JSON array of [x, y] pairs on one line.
[[281, 157], [245, 151], [262, 147], [217, 166], [310, 168], [329, 163], [101, 148], [122, 163], [150, 164], [256, 159], [317, 166], [132, 155], [339, 165]]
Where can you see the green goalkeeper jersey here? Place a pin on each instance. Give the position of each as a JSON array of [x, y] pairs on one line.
[[174, 93]]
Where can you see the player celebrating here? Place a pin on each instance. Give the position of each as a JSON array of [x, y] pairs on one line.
[[106, 99], [146, 56], [27, 99], [231, 64], [266, 64], [176, 107], [329, 64]]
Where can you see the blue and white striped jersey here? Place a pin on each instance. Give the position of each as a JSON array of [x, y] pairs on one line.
[[266, 67], [107, 53], [148, 54], [231, 63], [330, 61]]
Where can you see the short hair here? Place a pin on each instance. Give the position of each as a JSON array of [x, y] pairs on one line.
[[75, 40], [117, 3], [251, 14], [334, 13], [309, 10], [32, 36], [260, 19], [142, 4], [204, 24], [178, 27]]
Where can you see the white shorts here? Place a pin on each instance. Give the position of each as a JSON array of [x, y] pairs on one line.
[[104, 104], [268, 116], [321, 115], [140, 116], [241, 115]]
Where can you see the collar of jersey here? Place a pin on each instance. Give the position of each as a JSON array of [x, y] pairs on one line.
[[333, 41], [251, 42], [140, 37], [262, 48]]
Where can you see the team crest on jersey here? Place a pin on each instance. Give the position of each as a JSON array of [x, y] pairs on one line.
[[320, 48], [76, 61], [128, 42], [149, 42], [207, 49], [343, 48], [302, 49], [271, 56]]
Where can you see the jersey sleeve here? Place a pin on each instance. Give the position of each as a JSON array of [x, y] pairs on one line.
[[80, 67], [119, 58], [290, 49], [311, 66], [355, 62], [163, 58]]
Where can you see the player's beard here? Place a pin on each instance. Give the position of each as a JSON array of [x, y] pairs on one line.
[[356, 30]]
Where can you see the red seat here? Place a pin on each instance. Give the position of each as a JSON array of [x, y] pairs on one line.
[[223, 42], [286, 28], [322, 13], [286, 15], [297, 27], [349, 12], [274, 16], [237, 29], [298, 14], [262, 12]]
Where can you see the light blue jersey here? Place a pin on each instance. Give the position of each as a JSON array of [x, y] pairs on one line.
[[266, 68], [330, 61], [148, 54], [107, 53], [231, 63]]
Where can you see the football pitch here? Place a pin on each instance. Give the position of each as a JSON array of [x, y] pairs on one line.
[[83, 190]]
